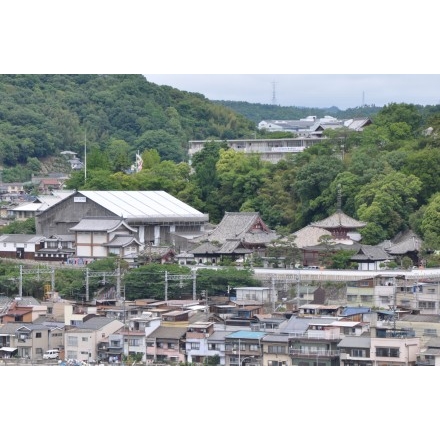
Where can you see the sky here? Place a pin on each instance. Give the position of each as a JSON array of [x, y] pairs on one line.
[[310, 90]]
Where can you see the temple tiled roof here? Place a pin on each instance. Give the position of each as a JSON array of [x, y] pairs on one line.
[[248, 227], [337, 220], [371, 253], [404, 242]]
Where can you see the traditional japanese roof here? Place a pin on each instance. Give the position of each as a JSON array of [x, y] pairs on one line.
[[230, 247], [402, 243], [122, 241], [357, 124], [21, 238], [371, 253], [107, 224], [248, 227], [338, 220], [309, 236]]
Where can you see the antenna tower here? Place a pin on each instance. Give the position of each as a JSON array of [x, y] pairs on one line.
[[274, 95]]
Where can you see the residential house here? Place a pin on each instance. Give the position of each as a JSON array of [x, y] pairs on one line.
[[20, 246], [260, 294], [312, 341], [56, 248], [319, 310], [197, 344], [49, 184], [82, 340], [216, 344], [423, 297], [244, 348], [387, 347], [166, 344], [30, 340], [24, 309], [276, 350], [430, 355], [30, 209]]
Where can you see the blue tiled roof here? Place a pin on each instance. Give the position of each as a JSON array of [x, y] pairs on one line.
[[246, 334], [349, 311]]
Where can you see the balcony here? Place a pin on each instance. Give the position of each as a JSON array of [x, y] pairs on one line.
[[313, 353]]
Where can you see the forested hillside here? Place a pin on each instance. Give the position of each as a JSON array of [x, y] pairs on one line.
[[42, 115], [386, 175]]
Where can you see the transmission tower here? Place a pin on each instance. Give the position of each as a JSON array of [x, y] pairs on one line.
[[274, 94]]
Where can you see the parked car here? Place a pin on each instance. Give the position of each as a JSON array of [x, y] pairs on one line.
[[51, 354]]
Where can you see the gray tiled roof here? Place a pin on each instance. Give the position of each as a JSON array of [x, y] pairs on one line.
[[107, 224], [163, 332], [309, 236], [355, 342], [371, 253], [404, 242], [95, 323], [239, 226], [276, 338], [338, 219], [21, 238], [12, 327], [122, 241]]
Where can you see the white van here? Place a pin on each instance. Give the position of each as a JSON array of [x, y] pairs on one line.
[[51, 354]]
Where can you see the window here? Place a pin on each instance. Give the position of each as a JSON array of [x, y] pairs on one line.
[[171, 345], [38, 334], [357, 352], [387, 352], [351, 298], [84, 339], [134, 342], [39, 351], [254, 347], [72, 341], [213, 347], [279, 349], [426, 305], [195, 345], [276, 363], [430, 332]]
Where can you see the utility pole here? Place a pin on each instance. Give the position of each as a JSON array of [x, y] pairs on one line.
[[38, 271]]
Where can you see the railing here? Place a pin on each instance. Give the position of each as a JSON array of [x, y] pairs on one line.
[[313, 353]]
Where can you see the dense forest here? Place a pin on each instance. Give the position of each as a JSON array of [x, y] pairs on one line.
[[259, 112], [42, 115], [386, 175]]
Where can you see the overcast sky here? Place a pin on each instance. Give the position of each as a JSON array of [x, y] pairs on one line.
[[321, 91]]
